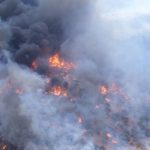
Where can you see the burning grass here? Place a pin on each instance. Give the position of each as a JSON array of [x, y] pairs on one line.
[[57, 62]]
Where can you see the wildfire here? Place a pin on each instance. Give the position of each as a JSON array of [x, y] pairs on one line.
[[58, 91], [34, 65], [19, 91], [57, 62], [103, 90], [80, 120], [112, 89], [109, 135], [4, 146]]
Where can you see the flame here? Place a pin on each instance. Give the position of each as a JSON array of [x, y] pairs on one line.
[[19, 91], [112, 89], [103, 90], [80, 120], [114, 141], [138, 147], [109, 135], [58, 91], [34, 65], [4, 146], [56, 62]]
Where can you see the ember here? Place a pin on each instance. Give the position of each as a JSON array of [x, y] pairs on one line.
[[34, 65], [19, 91], [114, 141]]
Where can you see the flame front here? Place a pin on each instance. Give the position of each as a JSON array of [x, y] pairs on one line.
[[103, 90], [34, 65], [58, 91], [4, 146], [80, 120], [56, 62]]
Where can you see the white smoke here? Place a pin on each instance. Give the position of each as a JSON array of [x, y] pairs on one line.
[[32, 118], [111, 40]]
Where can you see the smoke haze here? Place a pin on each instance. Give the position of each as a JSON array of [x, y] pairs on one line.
[[108, 41]]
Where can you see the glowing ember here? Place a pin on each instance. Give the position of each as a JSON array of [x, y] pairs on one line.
[[114, 141], [103, 90], [19, 91], [4, 146], [58, 91], [109, 135], [80, 120], [34, 65], [56, 62]]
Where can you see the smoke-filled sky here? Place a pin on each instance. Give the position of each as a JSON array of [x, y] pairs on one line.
[[108, 89]]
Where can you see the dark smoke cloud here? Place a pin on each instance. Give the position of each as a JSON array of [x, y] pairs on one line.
[[29, 25]]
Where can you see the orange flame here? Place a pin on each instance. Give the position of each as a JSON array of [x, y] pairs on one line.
[[56, 62], [58, 91], [19, 91], [34, 65], [103, 90], [4, 146], [113, 89], [114, 141]]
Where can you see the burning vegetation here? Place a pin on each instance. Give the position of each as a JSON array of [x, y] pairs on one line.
[[57, 62], [58, 91], [4, 147], [51, 99], [103, 90]]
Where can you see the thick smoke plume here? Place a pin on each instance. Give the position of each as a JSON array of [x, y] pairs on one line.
[[74, 75]]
